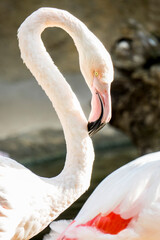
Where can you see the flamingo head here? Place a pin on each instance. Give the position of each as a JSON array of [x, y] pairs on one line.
[[97, 70]]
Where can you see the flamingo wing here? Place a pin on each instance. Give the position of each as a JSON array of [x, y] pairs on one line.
[[21, 201], [125, 205], [125, 190]]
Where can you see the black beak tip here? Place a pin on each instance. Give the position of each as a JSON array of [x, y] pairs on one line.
[[94, 127]]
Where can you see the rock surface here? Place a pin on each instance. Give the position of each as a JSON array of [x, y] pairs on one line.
[[136, 89]]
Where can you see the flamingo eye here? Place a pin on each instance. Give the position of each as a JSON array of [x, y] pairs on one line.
[[96, 74]]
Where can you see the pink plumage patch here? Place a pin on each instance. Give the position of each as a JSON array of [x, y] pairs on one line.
[[111, 223], [108, 224]]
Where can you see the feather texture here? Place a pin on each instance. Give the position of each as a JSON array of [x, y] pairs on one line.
[[133, 193]]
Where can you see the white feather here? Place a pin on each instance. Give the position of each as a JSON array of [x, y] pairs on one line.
[[133, 191], [126, 190]]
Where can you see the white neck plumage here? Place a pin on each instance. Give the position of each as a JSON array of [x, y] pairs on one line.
[[75, 177]]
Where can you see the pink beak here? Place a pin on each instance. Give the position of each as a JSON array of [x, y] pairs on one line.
[[101, 109]]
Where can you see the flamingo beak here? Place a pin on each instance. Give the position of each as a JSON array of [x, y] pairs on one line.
[[100, 109]]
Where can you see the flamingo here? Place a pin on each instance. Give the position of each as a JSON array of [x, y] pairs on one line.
[[28, 203], [124, 206]]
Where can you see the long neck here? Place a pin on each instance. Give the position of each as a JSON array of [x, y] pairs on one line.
[[75, 177]]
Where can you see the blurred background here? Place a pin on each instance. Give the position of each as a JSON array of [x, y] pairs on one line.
[[30, 130]]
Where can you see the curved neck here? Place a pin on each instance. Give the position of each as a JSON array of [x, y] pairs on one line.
[[80, 154]]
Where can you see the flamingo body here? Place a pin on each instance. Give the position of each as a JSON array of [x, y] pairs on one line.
[[24, 197], [125, 205], [28, 203]]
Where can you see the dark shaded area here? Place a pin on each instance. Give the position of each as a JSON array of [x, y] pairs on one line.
[[136, 89]]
